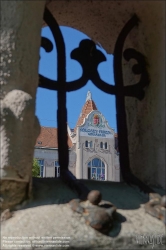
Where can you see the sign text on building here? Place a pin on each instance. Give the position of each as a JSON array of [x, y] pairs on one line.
[[94, 132]]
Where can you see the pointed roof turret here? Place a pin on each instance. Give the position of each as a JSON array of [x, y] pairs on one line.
[[87, 108], [88, 96]]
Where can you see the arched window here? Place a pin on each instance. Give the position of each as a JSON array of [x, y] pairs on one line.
[[86, 144], [101, 144], [96, 169], [105, 145]]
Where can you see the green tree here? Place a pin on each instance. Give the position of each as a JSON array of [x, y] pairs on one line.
[[35, 168]]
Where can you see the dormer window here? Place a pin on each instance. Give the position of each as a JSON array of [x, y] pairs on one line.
[[39, 142]]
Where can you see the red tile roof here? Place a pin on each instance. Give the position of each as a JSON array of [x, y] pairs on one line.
[[49, 138], [87, 108]]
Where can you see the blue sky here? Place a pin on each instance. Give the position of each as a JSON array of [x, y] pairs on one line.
[[46, 102]]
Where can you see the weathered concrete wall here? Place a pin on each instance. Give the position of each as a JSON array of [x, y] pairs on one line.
[[102, 21], [147, 129], [20, 42]]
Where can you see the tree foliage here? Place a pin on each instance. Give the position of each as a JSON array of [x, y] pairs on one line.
[[35, 168]]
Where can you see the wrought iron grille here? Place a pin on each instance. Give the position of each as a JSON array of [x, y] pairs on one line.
[[89, 57]]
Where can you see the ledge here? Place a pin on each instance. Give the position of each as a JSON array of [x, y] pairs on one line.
[[49, 215]]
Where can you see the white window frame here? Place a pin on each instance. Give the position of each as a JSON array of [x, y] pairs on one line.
[[96, 176]]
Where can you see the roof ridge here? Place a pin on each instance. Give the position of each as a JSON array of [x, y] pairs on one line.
[[49, 138]]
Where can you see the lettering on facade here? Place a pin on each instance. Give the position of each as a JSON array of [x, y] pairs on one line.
[[95, 132]]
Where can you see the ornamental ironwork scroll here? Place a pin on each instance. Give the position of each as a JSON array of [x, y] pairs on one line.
[[90, 57]]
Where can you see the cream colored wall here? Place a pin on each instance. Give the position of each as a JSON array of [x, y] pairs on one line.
[[116, 168], [87, 154]]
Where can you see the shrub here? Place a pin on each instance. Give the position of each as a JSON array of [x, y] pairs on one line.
[[35, 168]]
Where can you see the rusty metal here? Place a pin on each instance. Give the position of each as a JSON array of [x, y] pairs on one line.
[[98, 214], [156, 206], [90, 57]]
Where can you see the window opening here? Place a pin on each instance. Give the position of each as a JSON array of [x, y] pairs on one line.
[[41, 164], [96, 169], [57, 169], [89, 58]]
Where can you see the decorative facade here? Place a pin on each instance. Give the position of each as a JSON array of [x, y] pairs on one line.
[[93, 147]]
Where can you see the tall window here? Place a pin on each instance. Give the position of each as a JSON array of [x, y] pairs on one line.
[[41, 163], [101, 144], [96, 169], [88, 144], [57, 169], [105, 145]]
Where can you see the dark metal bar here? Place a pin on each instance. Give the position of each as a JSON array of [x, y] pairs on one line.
[[46, 44], [89, 58], [120, 102], [66, 175], [62, 111], [47, 83], [120, 107]]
